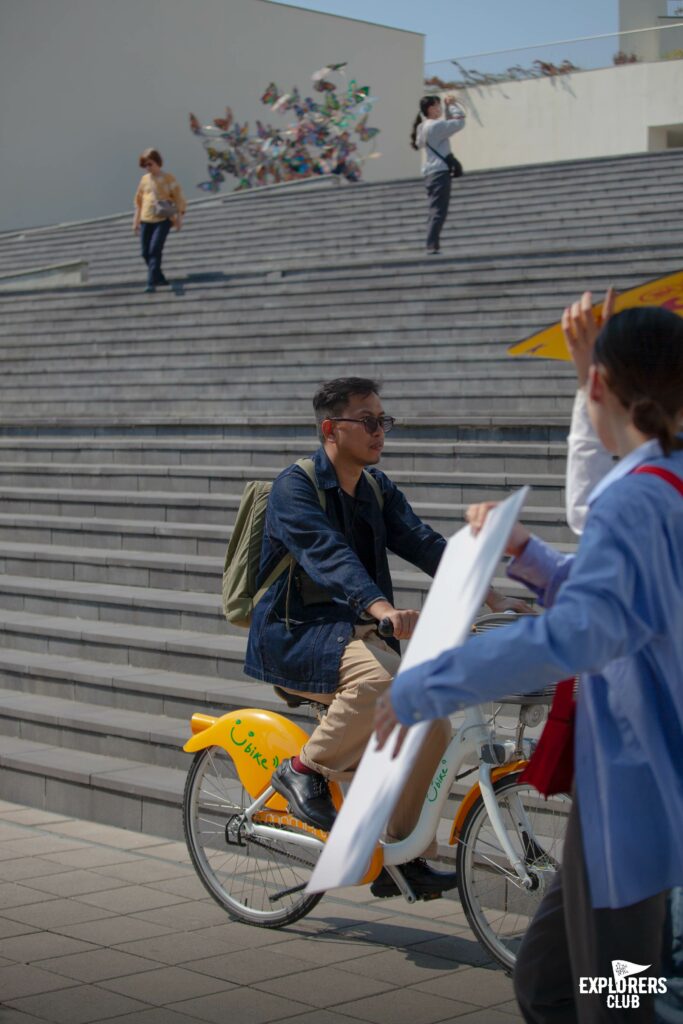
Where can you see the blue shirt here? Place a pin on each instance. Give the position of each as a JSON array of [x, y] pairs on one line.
[[298, 633], [616, 618]]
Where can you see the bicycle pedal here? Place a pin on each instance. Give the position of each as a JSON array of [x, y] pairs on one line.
[[288, 820], [424, 896]]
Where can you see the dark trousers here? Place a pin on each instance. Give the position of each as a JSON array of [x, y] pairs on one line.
[[568, 939], [152, 238], [669, 1005], [439, 193]]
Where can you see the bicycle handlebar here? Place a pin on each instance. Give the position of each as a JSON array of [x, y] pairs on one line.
[[385, 627]]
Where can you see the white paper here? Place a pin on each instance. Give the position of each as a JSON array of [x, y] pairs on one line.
[[456, 594]]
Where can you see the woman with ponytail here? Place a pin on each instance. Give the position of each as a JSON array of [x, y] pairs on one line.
[[432, 132], [587, 463], [614, 618]]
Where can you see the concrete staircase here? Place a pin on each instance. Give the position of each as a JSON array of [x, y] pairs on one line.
[[608, 204], [130, 424]]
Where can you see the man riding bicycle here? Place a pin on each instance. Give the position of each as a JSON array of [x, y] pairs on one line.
[[314, 633]]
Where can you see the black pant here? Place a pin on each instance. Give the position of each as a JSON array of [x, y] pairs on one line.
[[568, 939], [439, 192], [152, 238]]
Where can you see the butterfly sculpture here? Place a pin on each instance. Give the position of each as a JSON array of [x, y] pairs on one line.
[[324, 86], [224, 122], [270, 95], [287, 101], [317, 76], [316, 141], [366, 133]]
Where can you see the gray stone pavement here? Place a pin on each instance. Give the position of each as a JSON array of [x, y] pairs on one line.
[[102, 924]]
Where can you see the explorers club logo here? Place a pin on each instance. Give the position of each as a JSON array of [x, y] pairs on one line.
[[624, 990]]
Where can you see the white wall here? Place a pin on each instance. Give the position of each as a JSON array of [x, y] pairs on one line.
[[639, 14], [568, 117], [87, 84], [635, 14]]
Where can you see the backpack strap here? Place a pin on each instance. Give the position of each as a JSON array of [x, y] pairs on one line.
[[670, 478], [376, 489], [287, 561], [308, 467], [274, 574]]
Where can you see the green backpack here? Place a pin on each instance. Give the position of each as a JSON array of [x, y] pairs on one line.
[[243, 557]]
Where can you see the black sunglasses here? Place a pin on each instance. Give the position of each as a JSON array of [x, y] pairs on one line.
[[371, 423]]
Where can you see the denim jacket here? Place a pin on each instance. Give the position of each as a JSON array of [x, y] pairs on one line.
[[330, 588]]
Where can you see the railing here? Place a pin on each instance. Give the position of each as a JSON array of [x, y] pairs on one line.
[[560, 57]]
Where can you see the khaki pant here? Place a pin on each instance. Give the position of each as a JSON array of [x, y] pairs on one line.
[[335, 747]]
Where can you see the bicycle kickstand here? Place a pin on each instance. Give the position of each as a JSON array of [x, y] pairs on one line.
[[401, 882]]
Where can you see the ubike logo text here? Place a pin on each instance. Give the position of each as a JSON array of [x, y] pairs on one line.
[[623, 991], [438, 781], [248, 745]]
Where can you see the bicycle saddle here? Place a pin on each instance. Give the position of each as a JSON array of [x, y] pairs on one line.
[[291, 699]]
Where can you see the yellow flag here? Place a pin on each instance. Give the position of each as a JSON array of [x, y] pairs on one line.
[[550, 344]]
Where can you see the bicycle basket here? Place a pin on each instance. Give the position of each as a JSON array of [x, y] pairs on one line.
[[488, 622]]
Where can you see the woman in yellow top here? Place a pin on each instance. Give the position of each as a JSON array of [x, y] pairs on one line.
[[159, 202]]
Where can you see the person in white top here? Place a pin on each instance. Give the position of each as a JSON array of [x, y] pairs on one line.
[[431, 132], [587, 460]]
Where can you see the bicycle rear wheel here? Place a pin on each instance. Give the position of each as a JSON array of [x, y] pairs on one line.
[[241, 871], [498, 907]]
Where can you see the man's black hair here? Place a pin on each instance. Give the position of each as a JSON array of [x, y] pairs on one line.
[[332, 397]]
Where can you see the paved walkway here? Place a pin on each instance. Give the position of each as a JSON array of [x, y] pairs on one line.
[[102, 924]]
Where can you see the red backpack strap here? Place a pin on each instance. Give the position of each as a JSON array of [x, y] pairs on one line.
[[563, 701], [670, 478]]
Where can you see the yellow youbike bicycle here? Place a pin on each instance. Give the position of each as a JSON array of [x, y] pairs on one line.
[[255, 858]]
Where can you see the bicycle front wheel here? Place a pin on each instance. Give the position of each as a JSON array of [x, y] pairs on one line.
[[257, 881], [498, 906]]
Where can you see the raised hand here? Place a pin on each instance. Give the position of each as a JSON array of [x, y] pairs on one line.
[[581, 327]]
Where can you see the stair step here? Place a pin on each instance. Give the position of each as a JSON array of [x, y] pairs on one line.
[[97, 596], [111, 790], [20, 535], [200, 481], [418, 456], [115, 534], [531, 427], [216, 656], [113, 732], [221, 509], [132, 736], [174, 695]]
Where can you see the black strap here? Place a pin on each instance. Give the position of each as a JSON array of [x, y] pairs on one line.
[[436, 152]]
